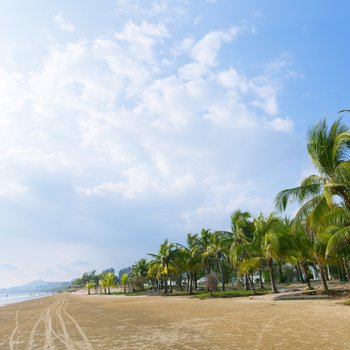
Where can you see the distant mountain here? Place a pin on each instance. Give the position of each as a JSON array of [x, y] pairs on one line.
[[37, 286]]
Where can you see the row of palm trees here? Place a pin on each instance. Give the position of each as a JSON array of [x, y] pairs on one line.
[[317, 237], [105, 282]]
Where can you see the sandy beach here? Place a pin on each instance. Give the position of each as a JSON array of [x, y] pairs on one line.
[[109, 322]]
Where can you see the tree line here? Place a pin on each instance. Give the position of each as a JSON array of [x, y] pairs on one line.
[[266, 246]]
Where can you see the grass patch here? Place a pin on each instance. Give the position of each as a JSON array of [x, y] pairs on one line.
[[230, 294], [347, 302]]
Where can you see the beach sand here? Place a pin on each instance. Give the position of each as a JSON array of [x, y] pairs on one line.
[[84, 322]]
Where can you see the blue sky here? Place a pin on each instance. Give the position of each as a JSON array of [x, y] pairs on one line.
[[127, 122]]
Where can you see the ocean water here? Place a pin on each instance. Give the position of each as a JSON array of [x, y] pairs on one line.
[[12, 298]]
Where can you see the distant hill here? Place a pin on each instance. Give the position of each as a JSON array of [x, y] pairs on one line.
[[37, 286]]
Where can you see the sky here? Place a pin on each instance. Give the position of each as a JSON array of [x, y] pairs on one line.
[[126, 122]]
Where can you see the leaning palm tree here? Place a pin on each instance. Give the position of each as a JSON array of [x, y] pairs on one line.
[[328, 149]]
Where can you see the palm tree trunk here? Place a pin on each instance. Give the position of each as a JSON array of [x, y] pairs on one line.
[[280, 272], [261, 280], [299, 273], [222, 275], [190, 283], [346, 268], [166, 284], [252, 284], [246, 282], [329, 273], [340, 272], [323, 277], [306, 272], [272, 277], [195, 281]]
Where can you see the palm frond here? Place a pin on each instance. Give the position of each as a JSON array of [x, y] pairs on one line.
[[307, 208], [299, 194], [339, 241], [342, 173]]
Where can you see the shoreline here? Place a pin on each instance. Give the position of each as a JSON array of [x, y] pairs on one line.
[[21, 298]]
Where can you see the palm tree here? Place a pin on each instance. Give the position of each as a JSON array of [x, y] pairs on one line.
[[107, 281], [162, 261], [247, 257], [338, 246], [139, 272], [302, 252], [89, 285], [187, 260], [124, 281], [242, 228], [328, 150], [102, 284], [275, 240], [203, 248], [219, 248]]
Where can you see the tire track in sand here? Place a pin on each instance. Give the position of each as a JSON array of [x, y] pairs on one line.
[[46, 319], [50, 330], [12, 342], [88, 345], [32, 332], [67, 339], [132, 325], [262, 331]]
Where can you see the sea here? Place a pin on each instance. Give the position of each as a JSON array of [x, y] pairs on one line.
[[12, 298]]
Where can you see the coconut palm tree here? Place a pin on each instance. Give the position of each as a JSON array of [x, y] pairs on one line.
[[247, 257], [107, 281], [328, 149], [302, 253], [276, 242], [124, 281], [219, 249], [203, 248], [89, 285], [139, 272], [102, 284], [338, 246], [242, 228], [162, 261], [188, 260]]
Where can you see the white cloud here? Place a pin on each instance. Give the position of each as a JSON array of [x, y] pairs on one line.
[[105, 111], [63, 24], [151, 8], [280, 124], [205, 51]]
